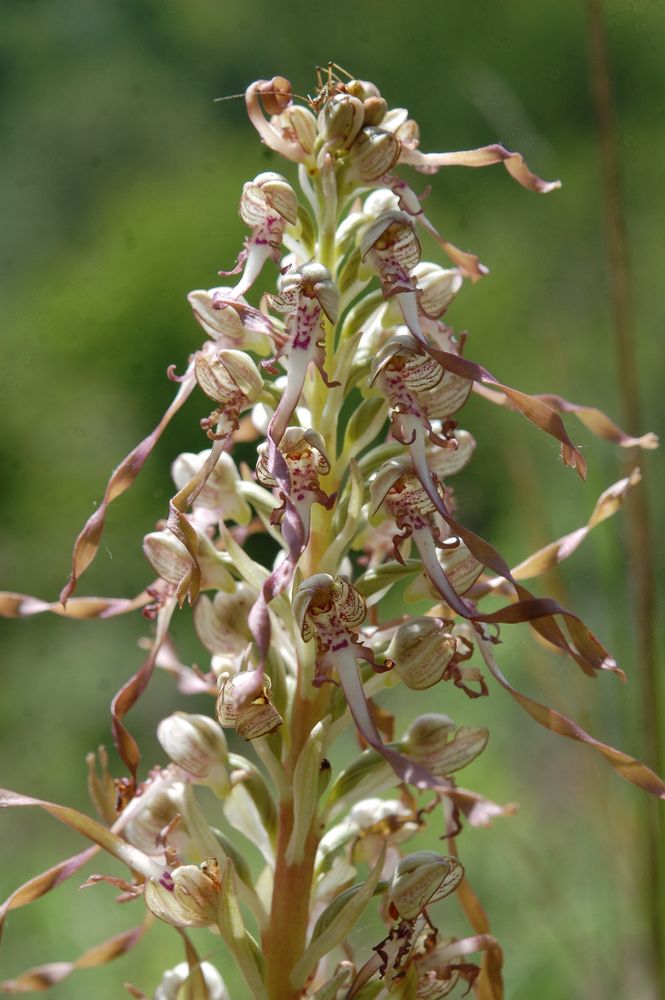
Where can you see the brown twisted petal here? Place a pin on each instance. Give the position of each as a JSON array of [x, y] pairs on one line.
[[533, 408], [484, 156], [437, 287], [628, 767], [39, 885], [131, 691], [122, 477], [595, 420], [14, 605], [43, 977]]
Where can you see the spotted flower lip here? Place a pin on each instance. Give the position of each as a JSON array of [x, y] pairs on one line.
[[307, 295]]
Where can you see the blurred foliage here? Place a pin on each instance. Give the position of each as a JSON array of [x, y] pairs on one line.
[[119, 181]]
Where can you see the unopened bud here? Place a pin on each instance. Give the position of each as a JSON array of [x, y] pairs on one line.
[[433, 741], [446, 462], [374, 153], [221, 624], [153, 812], [227, 373], [461, 568], [167, 555], [423, 878], [437, 286], [422, 649], [363, 89], [267, 194], [245, 707], [172, 562], [375, 110], [340, 120], [197, 745]]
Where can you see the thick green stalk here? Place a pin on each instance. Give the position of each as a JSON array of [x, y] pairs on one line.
[[286, 937]]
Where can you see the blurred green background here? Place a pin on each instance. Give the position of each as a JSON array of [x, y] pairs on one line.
[[119, 182]]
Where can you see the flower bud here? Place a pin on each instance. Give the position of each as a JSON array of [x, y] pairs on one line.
[[374, 153], [167, 555], [437, 287], [267, 194], [151, 813], [190, 897], [243, 706], [379, 821], [375, 110], [172, 562], [363, 89], [422, 649], [174, 984], [432, 987], [258, 719], [445, 462], [447, 397], [433, 741], [226, 374], [461, 568], [221, 624], [423, 878], [340, 120], [197, 745]]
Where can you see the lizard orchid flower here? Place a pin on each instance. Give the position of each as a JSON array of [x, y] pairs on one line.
[[301, 554]]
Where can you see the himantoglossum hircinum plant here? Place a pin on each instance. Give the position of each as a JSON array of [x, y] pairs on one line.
[[353, 386]]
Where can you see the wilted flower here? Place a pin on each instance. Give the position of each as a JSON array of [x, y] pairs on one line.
[[197, 745]]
